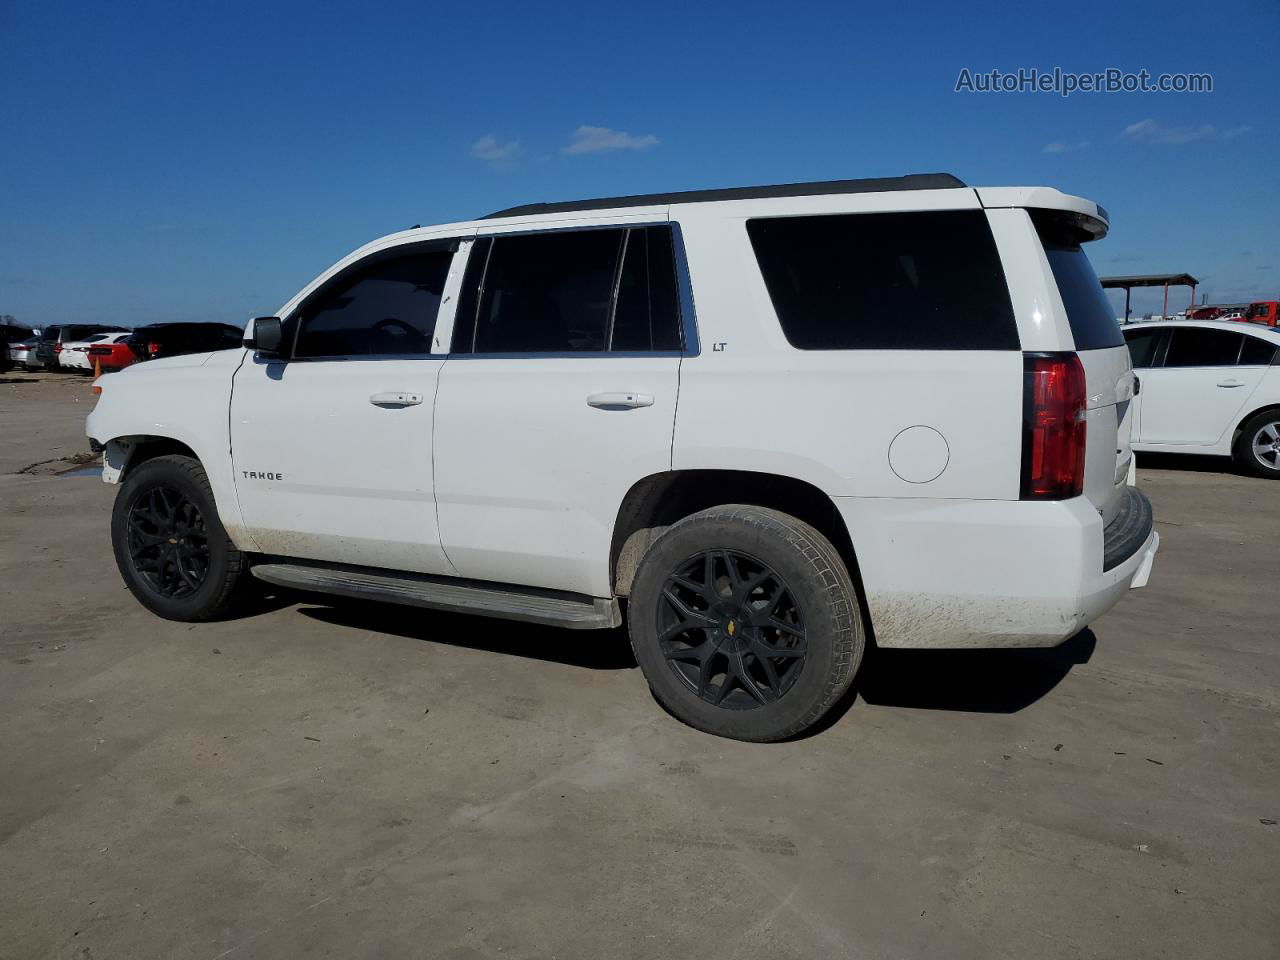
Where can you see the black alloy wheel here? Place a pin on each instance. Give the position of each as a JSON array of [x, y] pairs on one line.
[[745, 622], [170, 545], [168, 542], [731, 629]]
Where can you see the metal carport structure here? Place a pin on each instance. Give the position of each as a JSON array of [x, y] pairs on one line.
[[1165, 280]]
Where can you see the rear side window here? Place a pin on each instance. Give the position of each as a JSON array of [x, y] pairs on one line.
[[886, 281], [1257, 352], [385, 308], [1093, 323], [1201, 347], [570, 291]]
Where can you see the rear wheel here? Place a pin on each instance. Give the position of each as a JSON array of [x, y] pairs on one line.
[[169, 544], [1257, 449], [745, 623]]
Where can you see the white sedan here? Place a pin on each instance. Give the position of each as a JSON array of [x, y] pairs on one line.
[[75, 354], [1208, 387]]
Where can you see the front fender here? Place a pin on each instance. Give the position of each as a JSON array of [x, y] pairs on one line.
[[186, 400]]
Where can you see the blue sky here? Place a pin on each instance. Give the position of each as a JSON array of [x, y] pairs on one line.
[[203, 161]]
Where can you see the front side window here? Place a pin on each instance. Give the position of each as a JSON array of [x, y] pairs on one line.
[[1144, 347], [1202, 347], [570, 291], [886, 281], [385, 307]]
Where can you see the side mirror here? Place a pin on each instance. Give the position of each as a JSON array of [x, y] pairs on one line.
[[267, 337]]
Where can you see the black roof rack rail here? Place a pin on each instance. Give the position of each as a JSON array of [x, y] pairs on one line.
[[912, 181]]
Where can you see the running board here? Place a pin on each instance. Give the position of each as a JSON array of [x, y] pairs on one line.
[[439, 593]]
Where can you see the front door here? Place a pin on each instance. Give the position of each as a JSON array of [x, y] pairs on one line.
[[559, 395], [332, 448]]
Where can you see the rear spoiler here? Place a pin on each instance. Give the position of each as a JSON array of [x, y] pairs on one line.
[[1090, 221]]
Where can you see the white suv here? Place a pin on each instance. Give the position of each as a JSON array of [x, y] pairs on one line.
[[774, 421]]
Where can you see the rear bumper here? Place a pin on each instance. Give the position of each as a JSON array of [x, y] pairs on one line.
[[993, 573], [1128, 530]]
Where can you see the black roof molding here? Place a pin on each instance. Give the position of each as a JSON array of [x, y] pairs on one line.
[[912, 181]]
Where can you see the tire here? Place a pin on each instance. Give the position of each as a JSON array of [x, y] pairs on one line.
[[1260, 432], [688, 650], [179, 564]]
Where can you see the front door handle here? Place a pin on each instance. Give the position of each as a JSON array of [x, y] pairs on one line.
[[619, 401], [1231, 383], [396, 398]]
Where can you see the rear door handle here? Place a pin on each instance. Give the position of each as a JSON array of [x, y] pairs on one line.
[[619, 401], [1231, 383], [396, 398]]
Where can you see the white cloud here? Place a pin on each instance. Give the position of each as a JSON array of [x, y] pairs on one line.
[[1062, 146], [600, 139], [498, 153], [1149, 131]]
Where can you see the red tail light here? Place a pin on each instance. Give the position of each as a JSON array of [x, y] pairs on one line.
[[1053, 426], [57, 348], [153, 349]]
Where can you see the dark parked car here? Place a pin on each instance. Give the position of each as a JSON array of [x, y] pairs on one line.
[[45, 354], [173, 339]]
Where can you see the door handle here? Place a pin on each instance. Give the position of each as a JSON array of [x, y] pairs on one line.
[[396, 398], [1231, 383], [619, 401]]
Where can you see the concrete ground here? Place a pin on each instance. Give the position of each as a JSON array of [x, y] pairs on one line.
[[353, 781]]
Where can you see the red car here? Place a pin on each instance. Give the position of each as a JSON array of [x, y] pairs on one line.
[[111, 356]]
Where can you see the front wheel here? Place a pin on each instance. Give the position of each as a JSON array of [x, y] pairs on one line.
[[1257, 449], [169, 544], [745, 623]]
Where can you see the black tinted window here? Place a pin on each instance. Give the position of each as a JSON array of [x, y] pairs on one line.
[[904, 281], [647, 316], [1257, 352], [1144, 346], [386, 308], [555, 293], [1093, 322], [1201, 347], [548, 293]]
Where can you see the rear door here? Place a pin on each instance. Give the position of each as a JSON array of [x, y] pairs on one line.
[[1108, 369], [559, 394], [1200, 391]]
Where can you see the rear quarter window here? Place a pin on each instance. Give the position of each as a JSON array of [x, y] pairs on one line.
[[886, 281], [1093, 323], [1257, 352]]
